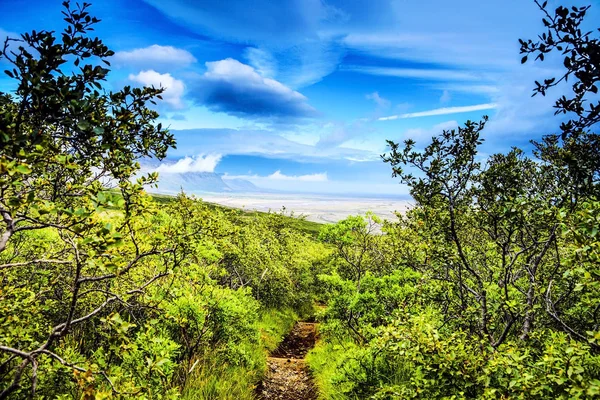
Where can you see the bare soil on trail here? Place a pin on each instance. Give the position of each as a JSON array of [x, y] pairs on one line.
[[287, 375]]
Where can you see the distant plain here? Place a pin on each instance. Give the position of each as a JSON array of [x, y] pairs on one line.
[[316, 208]]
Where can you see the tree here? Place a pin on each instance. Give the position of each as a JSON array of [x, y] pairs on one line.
[[576, 148], [493, 230], [63, 142]]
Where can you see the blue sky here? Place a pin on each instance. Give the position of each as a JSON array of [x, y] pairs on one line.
[[301, 95]]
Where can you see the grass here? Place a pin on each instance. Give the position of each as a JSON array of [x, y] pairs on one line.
[[214, 379], [323, 361]]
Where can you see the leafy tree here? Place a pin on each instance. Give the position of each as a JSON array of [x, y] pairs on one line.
[[492, 290], [62, 138], [355, 239], [576, 148]]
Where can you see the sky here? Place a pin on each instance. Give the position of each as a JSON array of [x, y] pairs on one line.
[[301, 95]]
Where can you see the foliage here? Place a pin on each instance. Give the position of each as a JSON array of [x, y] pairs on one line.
[[105, 293], [575, 149], [488, 287]]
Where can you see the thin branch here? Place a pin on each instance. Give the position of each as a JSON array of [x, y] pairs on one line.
[[41, 261]]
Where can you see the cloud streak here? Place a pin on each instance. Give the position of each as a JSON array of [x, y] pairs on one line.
[[442, 111], [416, 73]]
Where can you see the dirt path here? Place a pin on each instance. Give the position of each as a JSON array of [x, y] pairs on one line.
[[287, 374]]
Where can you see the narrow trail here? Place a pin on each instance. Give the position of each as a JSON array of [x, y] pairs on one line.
[[287, 374]]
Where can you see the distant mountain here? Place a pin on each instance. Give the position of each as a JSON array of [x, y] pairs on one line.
[[241, 185], [193, 182]]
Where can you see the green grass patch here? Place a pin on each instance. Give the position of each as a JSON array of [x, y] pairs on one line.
[[213, 379], [274, 325], [325, 361]]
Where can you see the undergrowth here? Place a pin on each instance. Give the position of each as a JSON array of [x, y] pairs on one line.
[[214, 379]]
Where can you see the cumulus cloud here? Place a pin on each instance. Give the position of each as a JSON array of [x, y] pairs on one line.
[[442, 111], [201, 163], [174, 88], [278, 176], [237, 89], [155, 56]]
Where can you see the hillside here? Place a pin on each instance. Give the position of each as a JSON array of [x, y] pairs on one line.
[[312, 228]]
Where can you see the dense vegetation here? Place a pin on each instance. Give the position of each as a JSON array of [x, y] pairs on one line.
[[488, 288], [106, 291]]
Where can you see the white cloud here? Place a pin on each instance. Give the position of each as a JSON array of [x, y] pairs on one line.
[[334, 134], [278, 176], [201, 163], [294, 34], [155, 56], [380, 101], [238, 89], [173, 87], [442, 111]]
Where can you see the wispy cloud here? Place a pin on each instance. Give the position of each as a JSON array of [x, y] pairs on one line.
[[293, 33], [200, 163], [380, 101], [468, 88], [154, 56], [445, 97], [423, 133], [428, 74], [442, 111], [277, 175], [334, 134], [262, 60], [259, 142]]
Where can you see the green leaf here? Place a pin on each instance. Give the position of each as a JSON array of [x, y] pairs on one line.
[[23, 169], [83, 125]]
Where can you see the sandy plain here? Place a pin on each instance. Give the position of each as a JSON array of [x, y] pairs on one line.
[[317, 208]]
